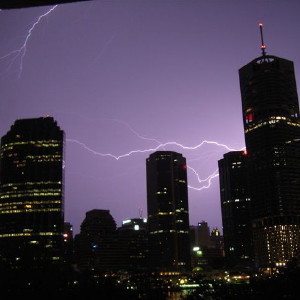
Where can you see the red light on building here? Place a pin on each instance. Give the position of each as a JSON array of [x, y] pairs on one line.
[[249, 117], [184, 167]]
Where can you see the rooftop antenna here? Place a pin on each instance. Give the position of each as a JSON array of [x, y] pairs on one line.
[[263, 46], [140, 212]]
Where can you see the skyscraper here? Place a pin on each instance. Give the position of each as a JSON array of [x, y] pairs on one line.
[[31, 193], [168, 215], [272, 134], [235, 207]]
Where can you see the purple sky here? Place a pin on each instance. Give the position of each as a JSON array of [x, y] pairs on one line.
[[121, 76]]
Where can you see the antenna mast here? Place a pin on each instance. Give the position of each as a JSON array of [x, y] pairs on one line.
[[263, 46], [140, 212]]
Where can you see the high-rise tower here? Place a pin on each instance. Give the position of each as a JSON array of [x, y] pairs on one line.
[[168, 216], [272, 134], [31, 193], [235, 207]]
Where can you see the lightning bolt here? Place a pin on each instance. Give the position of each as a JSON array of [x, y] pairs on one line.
[[22, 50], [162, 145], [207, 181], [136, 133]]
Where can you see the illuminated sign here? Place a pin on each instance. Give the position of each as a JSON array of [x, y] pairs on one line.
[[6, 4]]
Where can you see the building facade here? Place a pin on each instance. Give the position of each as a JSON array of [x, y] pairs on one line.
[[98, 246], [235, 208], [32, 193], [135, 234], [168, 213], [272, 135]]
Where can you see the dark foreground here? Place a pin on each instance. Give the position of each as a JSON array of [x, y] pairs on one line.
[[62, 284]]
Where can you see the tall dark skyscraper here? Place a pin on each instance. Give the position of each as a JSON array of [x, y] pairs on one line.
[[235, 207], [272, 134], [31, 193], [168, 215]]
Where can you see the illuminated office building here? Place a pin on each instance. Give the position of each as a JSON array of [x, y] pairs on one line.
[[168, 216], [31, 193], [235, 208], [272, 134]]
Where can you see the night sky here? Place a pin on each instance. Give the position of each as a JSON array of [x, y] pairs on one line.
[[124, 77]]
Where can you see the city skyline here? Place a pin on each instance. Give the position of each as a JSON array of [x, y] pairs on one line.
[[150, 74]]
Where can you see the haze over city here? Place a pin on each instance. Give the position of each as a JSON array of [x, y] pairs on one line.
[[124, 77]]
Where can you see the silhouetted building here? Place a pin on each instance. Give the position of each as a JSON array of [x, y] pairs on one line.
[[203, 235], [235, 207], [272, 134], [31, 193], [200, 235], [134, 232], [98, 246], [168, 215], [216, 239]]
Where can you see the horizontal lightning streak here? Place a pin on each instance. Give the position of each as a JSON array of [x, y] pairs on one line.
[[207, 180], [152, 149]]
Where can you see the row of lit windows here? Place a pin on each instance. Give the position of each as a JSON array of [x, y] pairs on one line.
[[24, 234], [46, 143], [26, 194], [30, 202], [29, 210], [282, 227], [44, 156], [294, 140], [163, 213], [293, 124], [30, 183], [169, 231], [236, 200], [270, 122], [166, 213], [23, 164], [36, 190]]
